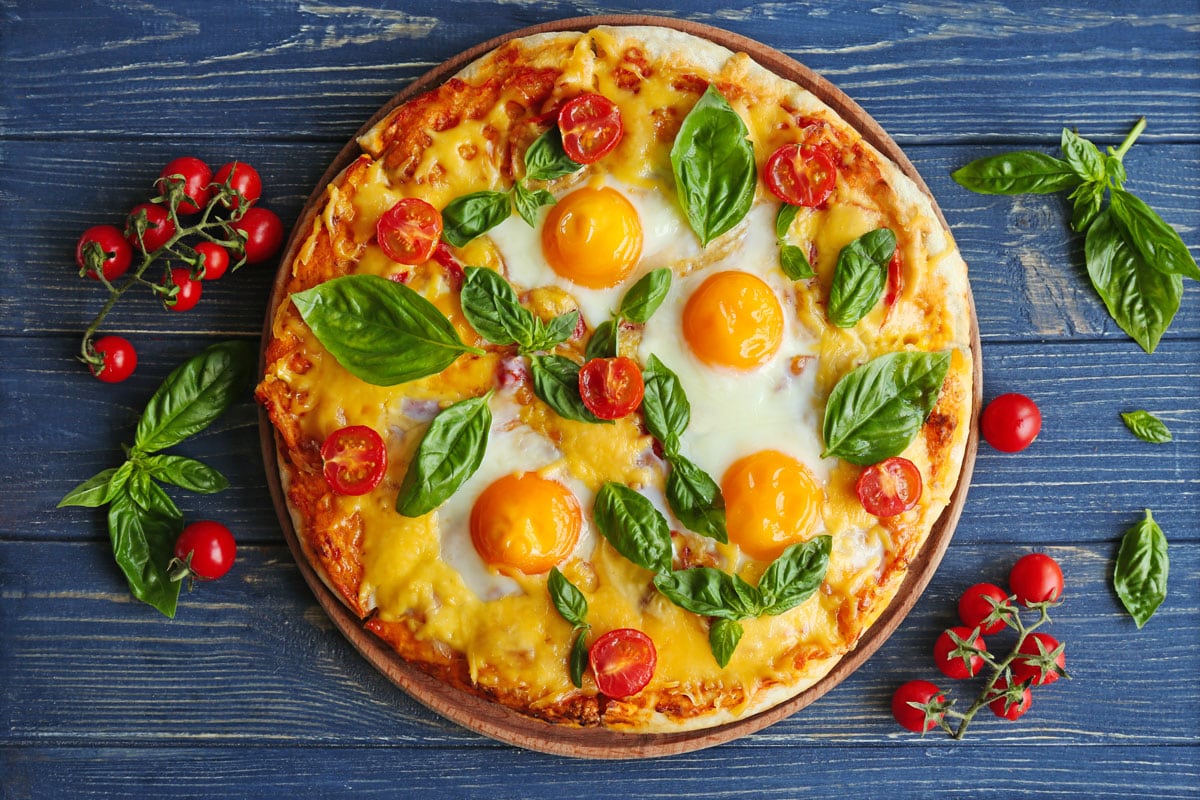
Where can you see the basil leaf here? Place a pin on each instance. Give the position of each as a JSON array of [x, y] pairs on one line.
[[568, 600], [603, 343], [1159, 244], [545, 158], [143, 524], [665, 408], [1140, 575], [579, 657], [860, 276], [695, 498], [794, 263], [633, 526], [1141, 299], [713, 162], [1114, 170], [381, 331], [528, 202], [1022, 172], [1147, 427], [194, 395], [645, 296], [449, 453], [723, 638], [784, 219], [187, 473], [710, 593], [92, 493], [556, 382], [473, 214], [795, 575], [876, 410], [1087, 198], [1083, 156], [490, 304], [545, 335]]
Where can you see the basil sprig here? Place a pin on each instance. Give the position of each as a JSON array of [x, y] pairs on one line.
[[860, 276], [143, 520], [637, 306], [1146, 426], [573, 607], [450, 452], [490, 304], [876, 409], [1135, 260], [713, 162], [792, 259], [1140, 574], [382, 332]]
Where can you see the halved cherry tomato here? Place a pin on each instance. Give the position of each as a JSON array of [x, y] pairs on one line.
[[890, 487], [189, 290], [611, 387], [216, 260], [159, 228], [623, 662], [355, 460], [197, 182], [409, 231], [801, 175], [115, 254], [591, 127], [119, 356]]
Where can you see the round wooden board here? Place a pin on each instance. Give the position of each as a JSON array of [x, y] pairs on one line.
[[504, 724]]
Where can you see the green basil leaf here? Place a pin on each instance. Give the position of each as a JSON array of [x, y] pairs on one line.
[[546, 335], [194, 395], [473, 214], [723, 638], [695, 499], [1140, 575], [1022, 172], [143, 524], [381, 331], [795, 575], [645, 296], [876, 410], [1114, 170], [794, 263], [860, 276], [713, 162], [784, 219], [633, 526], [187, 473], [449, 453], [1083, 156], [92, 493], [1159, 244], [1087, 199], [710, 593], [556, 382], [603, 343], [545, 158], [491, 305], [568, 600], [579, 657], [665, 408], [1141, 299], [528, 202], [1147, 427]]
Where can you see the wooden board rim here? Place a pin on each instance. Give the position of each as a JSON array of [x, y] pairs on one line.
[[504, 724]]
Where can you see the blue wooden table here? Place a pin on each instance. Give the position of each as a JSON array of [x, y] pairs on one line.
[[249, 692]]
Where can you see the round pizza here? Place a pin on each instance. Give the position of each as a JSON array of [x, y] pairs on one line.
[[619, 381]]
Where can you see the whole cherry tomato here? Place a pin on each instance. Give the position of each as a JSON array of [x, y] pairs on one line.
[[216, 260], [207, 549], [264, 233], [159, 227], [801, 175], [189, 290], [1007, 708], [243, 179], [890, 487], [591, 127], [623, 662], [114, 254], [611, 387], [409, 231], [1038, 644], [197, 180], [1011, 422], [355, 460], [974, 607], [120, 359], [958, 666], [927, 712], [1036, 578]]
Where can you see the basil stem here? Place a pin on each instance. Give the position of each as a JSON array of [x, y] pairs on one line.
[[1140, 574], [860, 276], [450, 452], [473, 214], [633, 526], [1147, 427]]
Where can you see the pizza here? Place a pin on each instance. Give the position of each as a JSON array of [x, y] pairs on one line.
[[619, 381]]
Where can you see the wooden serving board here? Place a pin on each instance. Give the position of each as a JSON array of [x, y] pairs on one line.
[[507, 725]]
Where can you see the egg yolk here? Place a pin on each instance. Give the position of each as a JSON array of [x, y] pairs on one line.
[[593, 237], [525, 522], [772, 501], [733, 320]]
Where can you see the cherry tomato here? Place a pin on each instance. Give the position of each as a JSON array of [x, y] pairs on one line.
[[1011, 422], [954, 666], [1036, 578], [207, 548], [591, 127], [1037, 644], [120, 359], [1010, 709], [801, 175], [159, 228], [243, 179], [197, 180], [189, 290], [623, 662], [355, 460], [890, 487], [216, 260], [974, 608], [922, 693], [116, 252], [264, 233], [409, 231], [611, 387], [895, 280]]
